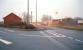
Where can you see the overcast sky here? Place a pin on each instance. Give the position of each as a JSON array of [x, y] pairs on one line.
[[71, 8]]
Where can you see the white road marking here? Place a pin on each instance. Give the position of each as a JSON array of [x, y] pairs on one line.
[[56, 34], [61, 35], [53, 40], [78, 40], [5, 42], [10, 30], [35, 35], [2, 32], [70, 38]]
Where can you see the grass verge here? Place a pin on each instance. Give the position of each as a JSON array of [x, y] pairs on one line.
[[72, 27]]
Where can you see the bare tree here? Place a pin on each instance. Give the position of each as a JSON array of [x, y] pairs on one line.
[[26, 17], [78, 18], [46, 17]]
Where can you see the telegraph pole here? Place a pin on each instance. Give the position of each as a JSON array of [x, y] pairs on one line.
[[27, 22], [31, 17], [36, 12]]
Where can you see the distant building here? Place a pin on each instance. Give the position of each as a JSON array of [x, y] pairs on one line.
[[69, 21], [1, 23], [80, 22], [12, 20], [55, 22]]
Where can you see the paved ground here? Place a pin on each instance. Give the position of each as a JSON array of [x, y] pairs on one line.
[[49, 39]]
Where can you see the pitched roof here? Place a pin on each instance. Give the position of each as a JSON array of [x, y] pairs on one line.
[[12, 16]]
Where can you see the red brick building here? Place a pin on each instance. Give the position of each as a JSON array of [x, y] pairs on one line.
[[53, 22], [12, 20]]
